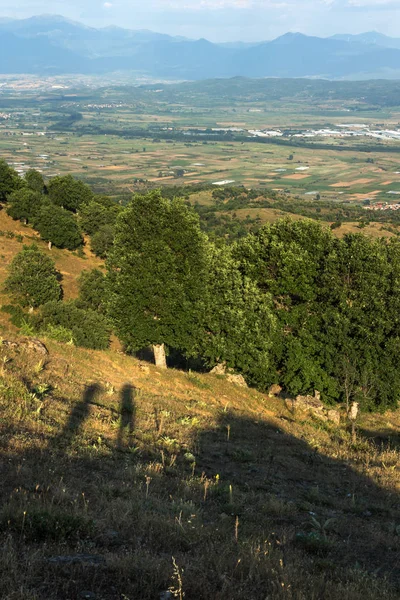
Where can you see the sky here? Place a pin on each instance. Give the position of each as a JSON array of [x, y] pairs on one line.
[[223, 20]]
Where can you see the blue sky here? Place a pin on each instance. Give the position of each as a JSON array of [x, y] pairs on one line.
[[223, 20]]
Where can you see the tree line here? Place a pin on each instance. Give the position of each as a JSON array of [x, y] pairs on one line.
[[287, 304]]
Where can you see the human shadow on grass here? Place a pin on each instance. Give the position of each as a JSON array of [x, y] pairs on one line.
[[274, 482], [291, 483], [128, 416]]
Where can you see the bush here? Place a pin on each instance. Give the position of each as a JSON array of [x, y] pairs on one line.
[[89, 329], [58, 226], [93, 290], [33, 279]]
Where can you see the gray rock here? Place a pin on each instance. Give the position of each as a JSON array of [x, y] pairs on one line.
[[87, 595]]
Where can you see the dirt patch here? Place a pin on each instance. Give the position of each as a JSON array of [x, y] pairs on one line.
[[296, 176], [350, 183]]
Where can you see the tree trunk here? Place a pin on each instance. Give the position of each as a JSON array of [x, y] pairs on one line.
[[159, 356], [50, 245]]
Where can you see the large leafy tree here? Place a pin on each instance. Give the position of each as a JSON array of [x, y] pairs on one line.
[[238, 320], [99, 212], [33, 279], [24, 204], [58, 226], [68, 192], [157, 271], [9, 181], [34, 180], [294, 262]]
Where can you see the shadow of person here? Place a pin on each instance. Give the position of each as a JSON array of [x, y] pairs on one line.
[[77, 417], [128, 411]]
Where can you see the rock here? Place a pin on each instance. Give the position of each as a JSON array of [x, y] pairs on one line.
[[87, 595], [310, 404], [275, 390], [353, 412], [83, 559], [167, 595], [333, 416], [236, 379], [29, 343], [219, 369]]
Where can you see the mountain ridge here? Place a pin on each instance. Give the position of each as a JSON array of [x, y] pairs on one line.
[[52, 44]]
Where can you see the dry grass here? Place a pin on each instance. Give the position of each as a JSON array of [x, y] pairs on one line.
[[247, 499]]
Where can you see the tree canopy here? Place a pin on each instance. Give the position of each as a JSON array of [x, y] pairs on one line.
[[58, 226], [33, 279], [157, 271], [68, 192]]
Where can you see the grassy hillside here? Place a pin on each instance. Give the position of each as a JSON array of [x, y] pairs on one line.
[[120, 481]]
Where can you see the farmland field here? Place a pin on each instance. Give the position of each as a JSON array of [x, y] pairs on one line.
[[118, 137]]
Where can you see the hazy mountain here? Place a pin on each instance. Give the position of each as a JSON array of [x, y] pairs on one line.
[[20, 55], [371, 37], [50, 43]]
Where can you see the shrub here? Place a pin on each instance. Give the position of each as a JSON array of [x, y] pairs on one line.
[[93, 290], [33, 279], [89, 329]]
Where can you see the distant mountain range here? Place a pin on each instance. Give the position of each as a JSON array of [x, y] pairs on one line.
[[50, 44]]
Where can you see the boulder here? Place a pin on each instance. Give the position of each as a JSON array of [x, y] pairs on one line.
[[311, 404], [29, 343], [219, 369], [275, 390], [236, 379], [333, 416]]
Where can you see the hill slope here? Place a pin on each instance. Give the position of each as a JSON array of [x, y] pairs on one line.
[[121, 481]]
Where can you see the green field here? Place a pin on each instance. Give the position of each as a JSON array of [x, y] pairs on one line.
[[114, 136]]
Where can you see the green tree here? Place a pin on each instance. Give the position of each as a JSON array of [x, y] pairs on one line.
[[93, 290], [9, 181], [157, 271], [102, 241], [34, 180], [33, 279], [57, 226], [68, 192], [238, 321], [24, 204], [98, 213], [294, 262]]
